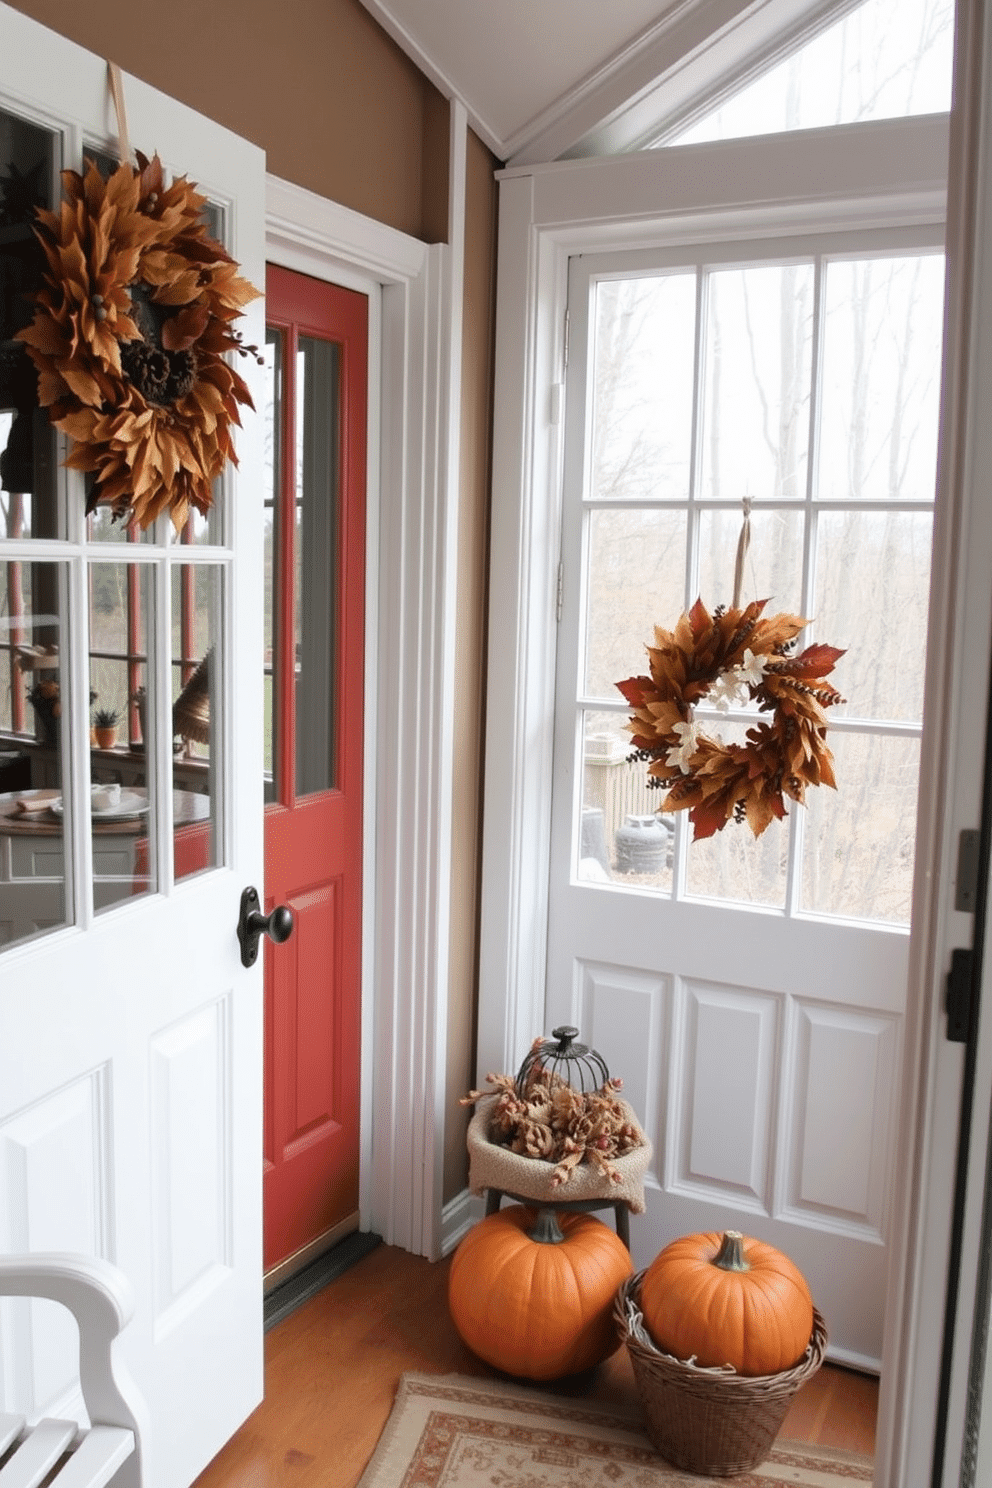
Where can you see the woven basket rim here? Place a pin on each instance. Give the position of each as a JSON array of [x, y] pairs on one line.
[[751, 1383]]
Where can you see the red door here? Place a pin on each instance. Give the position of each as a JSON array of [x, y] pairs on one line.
[[316, 356]]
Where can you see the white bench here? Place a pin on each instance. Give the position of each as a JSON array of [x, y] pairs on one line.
[[100, 1298]]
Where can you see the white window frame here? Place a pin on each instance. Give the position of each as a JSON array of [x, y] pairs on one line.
[[888, 173]]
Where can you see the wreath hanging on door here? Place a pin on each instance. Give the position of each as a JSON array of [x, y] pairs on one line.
[[129, 336], [730, 657]]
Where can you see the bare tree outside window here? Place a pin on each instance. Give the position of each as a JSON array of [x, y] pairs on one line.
[[887, 59]]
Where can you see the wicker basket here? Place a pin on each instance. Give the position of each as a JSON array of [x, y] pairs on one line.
[[702, 1420]]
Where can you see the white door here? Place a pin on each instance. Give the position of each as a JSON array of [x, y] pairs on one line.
[[750, 992], [130, 1055]]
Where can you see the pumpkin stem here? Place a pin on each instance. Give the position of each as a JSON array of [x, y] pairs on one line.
[[547, 1230], [730, 1256]]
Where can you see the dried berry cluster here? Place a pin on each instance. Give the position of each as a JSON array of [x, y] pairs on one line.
[[557, 1124], [717, 782], [129, 336]]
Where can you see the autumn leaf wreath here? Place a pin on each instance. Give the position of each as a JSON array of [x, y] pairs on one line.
[[129, 337], [733, 656]]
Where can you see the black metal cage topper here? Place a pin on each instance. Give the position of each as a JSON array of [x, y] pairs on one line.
[[576, 1064]]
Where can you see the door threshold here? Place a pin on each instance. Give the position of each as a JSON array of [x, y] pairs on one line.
[[286, 1296]]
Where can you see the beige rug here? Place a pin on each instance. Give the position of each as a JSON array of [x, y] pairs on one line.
[[451, 1431]]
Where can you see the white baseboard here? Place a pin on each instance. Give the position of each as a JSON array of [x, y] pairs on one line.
[[457, 1218]]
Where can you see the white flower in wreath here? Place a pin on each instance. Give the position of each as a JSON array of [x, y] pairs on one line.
[[732, 685], [681, 755]]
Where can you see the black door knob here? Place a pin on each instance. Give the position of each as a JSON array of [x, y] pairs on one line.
[[252, 923]]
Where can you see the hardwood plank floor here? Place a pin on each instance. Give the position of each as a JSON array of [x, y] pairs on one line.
[[333, 1366]]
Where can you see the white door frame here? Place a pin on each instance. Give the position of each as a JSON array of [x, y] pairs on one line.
[[414, 337], [546, 213]]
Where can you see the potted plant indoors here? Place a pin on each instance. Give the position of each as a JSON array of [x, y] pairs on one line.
[[105, 721]]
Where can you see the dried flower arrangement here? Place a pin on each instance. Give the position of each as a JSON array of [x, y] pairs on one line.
[[129, 336], [557, 1124], [732, 656]]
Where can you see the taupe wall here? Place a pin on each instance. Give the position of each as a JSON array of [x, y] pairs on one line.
[[340, 110], [331, 99]]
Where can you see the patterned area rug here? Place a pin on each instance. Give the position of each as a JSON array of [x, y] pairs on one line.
[[450, 1431]]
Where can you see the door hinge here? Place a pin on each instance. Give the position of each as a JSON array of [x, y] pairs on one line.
[[564, 352], [966, 889], [959, 980], [561, 591]]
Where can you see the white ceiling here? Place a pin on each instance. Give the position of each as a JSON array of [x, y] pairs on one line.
[[542, 79]]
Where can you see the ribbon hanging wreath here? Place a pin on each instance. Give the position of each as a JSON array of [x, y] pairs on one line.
[[732, 656], [130, 333]]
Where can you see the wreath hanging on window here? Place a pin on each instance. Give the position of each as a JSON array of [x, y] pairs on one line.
[[130, 333], [730, 657]]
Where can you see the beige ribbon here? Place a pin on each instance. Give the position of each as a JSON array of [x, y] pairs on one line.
[[117, 94], [743, 544]]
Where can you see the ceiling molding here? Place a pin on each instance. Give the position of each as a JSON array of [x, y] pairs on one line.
[[446, 85], [691, 29], [691, 56], [698, 78]]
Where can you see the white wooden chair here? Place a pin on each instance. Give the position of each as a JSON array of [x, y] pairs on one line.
[[100, 1298]]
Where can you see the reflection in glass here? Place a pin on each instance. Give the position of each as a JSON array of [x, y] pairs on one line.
[[881, 379], [635, 581], [274, 416], [316, 565], [29, 505], [622, 839], [859, 841], [120, 769], [33, 718], [642, 387], [197, 591], [758, 360]]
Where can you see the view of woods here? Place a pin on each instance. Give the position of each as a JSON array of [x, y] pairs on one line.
[[813, 391], [884, 59]]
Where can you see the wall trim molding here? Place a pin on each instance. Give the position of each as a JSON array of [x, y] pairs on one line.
[[409, 632], [458, 1217]]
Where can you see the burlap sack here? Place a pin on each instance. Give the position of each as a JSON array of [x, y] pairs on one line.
[[492, 1166]]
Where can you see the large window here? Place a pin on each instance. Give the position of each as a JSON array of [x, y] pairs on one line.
[[810, 387]]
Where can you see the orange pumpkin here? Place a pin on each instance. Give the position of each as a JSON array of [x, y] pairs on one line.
[[533, 1296], [728, 1300]]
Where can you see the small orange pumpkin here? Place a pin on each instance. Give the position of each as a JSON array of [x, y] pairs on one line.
[[728, 1300], [534, 1296]]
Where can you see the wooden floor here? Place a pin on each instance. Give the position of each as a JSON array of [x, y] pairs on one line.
[[333, 1366]]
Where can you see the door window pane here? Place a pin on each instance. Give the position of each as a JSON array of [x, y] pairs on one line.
[[645, 331], [316, 540], [621, 839], [773, 566], [34, 723], [733, 865], [197, 735], [881, 379], [872, 597], [29, 494], [275, 414], [859, 841], [121, 766], [636, 574], [758, 359]]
